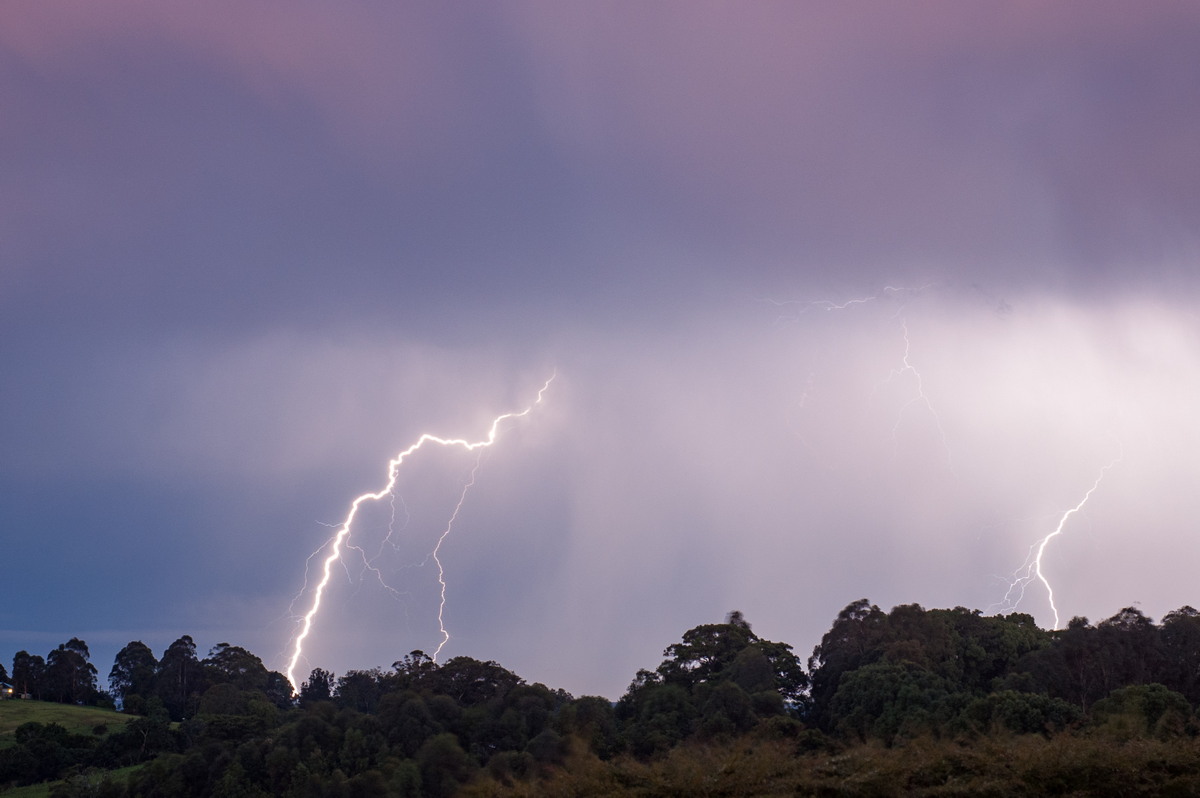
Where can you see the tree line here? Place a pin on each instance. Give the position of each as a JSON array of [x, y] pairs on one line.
[[225, 724]]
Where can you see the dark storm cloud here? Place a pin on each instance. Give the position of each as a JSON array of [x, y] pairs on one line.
[[987, 140], [249, 254], [474, 153]]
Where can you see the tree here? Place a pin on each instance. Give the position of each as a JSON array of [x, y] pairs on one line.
[[720, 678], [970, 653], [70, 677], [592, 719], [989, 648], [414, 670], [235, 665], [1020, 713], [853, 641], [444, 765], [180, 680], [1180, 635], [133, 671], [360, 690], [279, 690], [470, 681], [1141, 710], [408, 721], [657, 716], [1132, 651], [318, 687], [887, 699], [725, 652], [1083, 664], [28, 673]]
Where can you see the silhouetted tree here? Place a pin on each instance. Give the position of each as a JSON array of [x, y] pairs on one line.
[[70, 677], [181, 679], [1180, 638], [470, 681], [360, 690], [719, 679], [853, 641], [279, 690], [318, 687], [133, 671], [28, 674], [731, 651], [235, 665], [1131, 649]]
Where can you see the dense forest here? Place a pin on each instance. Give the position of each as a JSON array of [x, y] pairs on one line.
[[906, 702]]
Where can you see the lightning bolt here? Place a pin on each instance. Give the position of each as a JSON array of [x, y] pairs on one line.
[[338, 541], [921, 398], [829, 304], [441, 571], [903, 296], [1032, 568]]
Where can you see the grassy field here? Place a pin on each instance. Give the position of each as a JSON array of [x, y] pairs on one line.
[[79, 720], [32, 791], [43, 790]]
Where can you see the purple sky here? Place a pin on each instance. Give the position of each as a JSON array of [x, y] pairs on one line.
[[250, 251]]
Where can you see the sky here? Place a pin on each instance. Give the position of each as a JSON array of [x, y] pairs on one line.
[[838, 301]]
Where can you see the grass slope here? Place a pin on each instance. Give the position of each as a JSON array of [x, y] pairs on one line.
[[78, 720]]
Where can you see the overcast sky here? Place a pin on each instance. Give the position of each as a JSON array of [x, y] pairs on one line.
[[842, 300]]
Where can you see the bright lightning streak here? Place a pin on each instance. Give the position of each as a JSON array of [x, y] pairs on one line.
[[339, 539], [441, 571], [1032, 569]]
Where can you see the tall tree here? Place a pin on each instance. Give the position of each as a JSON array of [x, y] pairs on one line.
[[470, 681], [133, 671], [720, 678], [70, 677], [28, 673], [318, 687], [1132, 649], [180, 680], [731, 651], [854, 640], [1180, 669], [237, 666], [360, 690], [279, 690]]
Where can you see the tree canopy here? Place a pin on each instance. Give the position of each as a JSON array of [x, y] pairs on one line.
[[226, 724]]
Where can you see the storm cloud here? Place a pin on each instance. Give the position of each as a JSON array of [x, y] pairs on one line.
[[841, 302]]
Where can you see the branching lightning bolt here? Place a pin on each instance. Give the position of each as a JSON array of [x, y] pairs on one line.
[[1032, 569], [901, 295], [339, 540], [440, 570]]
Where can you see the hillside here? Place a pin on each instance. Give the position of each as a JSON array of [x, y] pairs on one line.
[[77, 720]]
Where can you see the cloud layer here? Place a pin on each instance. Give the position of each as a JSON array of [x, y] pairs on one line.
[[842, 302]]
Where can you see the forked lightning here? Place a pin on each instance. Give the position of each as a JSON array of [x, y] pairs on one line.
[[339, 539], [1032, 569]]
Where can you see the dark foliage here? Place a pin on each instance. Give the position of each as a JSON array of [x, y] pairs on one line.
[[226, 725]]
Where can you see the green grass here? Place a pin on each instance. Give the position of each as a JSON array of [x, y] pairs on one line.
[[43, 790], [32, 791], [78, 720]]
